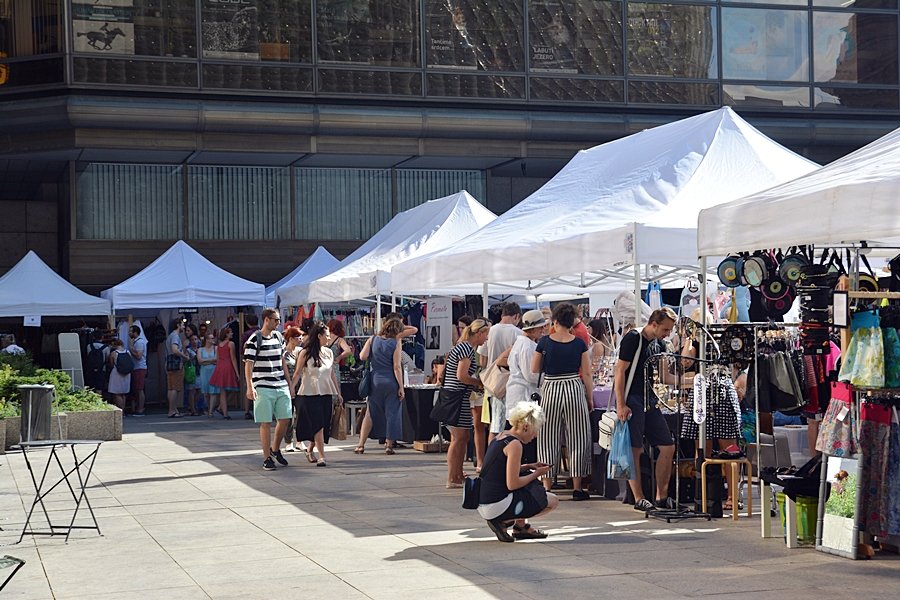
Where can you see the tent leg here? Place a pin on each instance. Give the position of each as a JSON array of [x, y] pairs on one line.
[[637, 296], [393, 302], [485, 301], [702, 432], [377, 314]]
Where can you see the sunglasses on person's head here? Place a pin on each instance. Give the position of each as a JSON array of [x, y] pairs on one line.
[[479, 325]]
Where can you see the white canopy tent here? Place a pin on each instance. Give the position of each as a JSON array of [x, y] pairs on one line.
[[182, 277], [319, 263], [31, 288], [429, 227], [626, 203], [851, 200]]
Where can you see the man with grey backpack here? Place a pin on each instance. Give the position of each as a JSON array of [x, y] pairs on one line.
[[642, 413]]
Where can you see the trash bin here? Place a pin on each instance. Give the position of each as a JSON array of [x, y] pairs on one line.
[[807, 514], [37, 404]]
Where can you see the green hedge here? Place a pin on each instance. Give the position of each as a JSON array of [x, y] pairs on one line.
[[68, 400]]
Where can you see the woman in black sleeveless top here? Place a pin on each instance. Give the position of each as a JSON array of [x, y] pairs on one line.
[[510, 491]]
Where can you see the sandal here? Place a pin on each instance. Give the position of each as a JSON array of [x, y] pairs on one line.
[[389, 451], [499, 529], [176, 415], [359, 450], [528, 532], [321, 463], [452, 485], [309, 455]]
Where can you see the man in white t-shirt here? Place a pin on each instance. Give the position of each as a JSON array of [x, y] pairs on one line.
[[501, 337]]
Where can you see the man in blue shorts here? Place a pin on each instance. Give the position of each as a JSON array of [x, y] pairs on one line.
[[269, 390], [646, 420]]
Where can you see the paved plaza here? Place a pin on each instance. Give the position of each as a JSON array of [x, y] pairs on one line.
[[187, 512]]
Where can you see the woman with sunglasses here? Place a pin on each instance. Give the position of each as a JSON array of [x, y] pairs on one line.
[[459, 378]]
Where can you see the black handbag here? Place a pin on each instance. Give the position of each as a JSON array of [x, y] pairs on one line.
[[448, 406], [365, 384]]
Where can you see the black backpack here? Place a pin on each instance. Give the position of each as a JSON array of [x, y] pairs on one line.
[[95, 362], [124, 363]]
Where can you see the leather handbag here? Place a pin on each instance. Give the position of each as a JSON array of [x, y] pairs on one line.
[[365, 384], [494, 380], [448, 406]]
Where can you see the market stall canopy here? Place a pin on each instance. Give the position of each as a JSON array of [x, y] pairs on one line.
[[320, 263], [31, 288], [630, 201], [182, 277], [429, 227], [853, 199]]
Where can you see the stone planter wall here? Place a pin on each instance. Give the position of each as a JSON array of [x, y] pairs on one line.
[[2, 436], [103, 425]]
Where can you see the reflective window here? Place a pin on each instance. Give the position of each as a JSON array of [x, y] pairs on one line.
[[672, 39], [855, 47], [161, 28], [768, 45], [483, 35], [475, 86], [135, 72], [342, 204], [368, 32], [577, 90], [665, 92], [239, 203], [765, 96], [30, 72], [573, 36], [29, 28], [252, 77], [128, 202], [285, 30], [855, 99], [851, 4], [369, 82]]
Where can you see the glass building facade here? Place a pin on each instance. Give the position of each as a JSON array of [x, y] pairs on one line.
[[803, 55]]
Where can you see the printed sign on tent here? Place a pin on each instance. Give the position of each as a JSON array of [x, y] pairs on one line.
[[438, 334]]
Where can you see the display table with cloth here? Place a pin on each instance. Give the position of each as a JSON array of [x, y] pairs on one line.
[[417, 405], [81, 468], [603, 398]]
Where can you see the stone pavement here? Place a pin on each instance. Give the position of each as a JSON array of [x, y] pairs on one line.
[[187, 512]]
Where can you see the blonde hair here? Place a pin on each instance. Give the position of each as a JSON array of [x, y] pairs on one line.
[[526, 413], [697, 315], [473, 328], [662, 314]]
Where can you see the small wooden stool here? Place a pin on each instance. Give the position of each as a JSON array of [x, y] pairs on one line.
[[735, 475]]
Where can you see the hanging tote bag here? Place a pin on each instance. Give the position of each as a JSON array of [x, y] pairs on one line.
[[608, 421], [494, 379]]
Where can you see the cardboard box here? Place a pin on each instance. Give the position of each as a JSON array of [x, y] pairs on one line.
[[422, 446]]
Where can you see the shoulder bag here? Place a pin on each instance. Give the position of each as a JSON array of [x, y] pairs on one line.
[[365, 384], [494, 379], [472, 485], [607, 424], [449, 404]]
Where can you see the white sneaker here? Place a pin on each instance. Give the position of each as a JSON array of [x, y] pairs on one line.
[[291, 447]]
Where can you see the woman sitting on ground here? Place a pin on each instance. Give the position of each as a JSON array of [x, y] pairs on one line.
[[510, 491]]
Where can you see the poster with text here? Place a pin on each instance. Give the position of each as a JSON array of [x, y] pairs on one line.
[[452, 35], [230, 29], [553, 33], [103, 26], [438, 327]]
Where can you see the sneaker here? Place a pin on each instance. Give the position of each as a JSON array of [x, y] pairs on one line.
[[269, 464], [580, 495], [666, 504], [643, 505], [280, 458], [292, 447]]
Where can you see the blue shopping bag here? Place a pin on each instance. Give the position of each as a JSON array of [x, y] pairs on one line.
[[621, 460]]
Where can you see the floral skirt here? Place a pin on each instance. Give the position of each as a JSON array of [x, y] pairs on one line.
[[837, 437]]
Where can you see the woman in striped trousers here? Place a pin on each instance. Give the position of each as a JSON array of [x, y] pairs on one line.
[[566, 399]]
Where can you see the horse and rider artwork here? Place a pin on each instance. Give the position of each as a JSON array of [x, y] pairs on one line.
[[102, 38]]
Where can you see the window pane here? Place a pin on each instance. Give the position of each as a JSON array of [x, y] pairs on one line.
[[165, 27], [107, 27], [766, 96], [475, 86], [889, 4], [251, 77], [855, 48], [671, 39], [577, 90], [128, 202], [374, 32], [475, 34], [664, 92], [369, 82], [239, 203], [768, 45], [30, 72], [135, 72], [417, 186], [855, 99], [285, 30], [29, 28], [573, 36], [342, 204]]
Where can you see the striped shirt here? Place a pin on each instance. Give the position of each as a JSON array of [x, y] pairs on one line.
[[268, 371], [459, 352]]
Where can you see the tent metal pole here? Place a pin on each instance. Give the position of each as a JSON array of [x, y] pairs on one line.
[[637, 296], [377, 314], [393, 302], [702, 433], [484, 300]]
